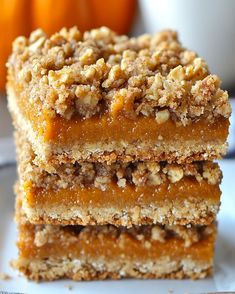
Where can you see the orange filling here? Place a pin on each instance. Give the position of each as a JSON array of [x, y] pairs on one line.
[[125, 198], [106, 128], [110, 247]]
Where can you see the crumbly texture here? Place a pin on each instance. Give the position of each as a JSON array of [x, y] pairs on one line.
[[177, 212], [41, 240], [181, 152], [46, 233], [101, 175], [71, 74], [54, 269], [50, 155]]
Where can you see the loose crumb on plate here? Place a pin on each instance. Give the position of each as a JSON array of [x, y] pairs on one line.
[[69, 287], [4, 276]]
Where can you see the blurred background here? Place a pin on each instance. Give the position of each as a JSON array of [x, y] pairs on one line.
[[205, 26]]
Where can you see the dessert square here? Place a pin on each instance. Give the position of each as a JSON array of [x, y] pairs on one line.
[[48, 252], [102, 97], [125, 194]]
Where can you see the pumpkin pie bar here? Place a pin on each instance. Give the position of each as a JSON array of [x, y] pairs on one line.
[[123, 194], [48, 252], [102, 97]]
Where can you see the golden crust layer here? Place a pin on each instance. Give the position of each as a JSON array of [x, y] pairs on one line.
[[54, 269], [71, 74]]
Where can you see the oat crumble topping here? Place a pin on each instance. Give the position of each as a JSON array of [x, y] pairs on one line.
[[100, 175], [71, 74], [144, 234], [158, 234]]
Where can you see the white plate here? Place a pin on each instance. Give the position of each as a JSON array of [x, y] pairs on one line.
[[223, 280]]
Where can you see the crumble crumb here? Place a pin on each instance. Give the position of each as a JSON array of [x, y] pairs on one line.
[[162, 116], [43, 235], [87, 99], [158, 234], [175, 172], [144, 233], [140, 237], [208, 231], [4, 277], [101, 182], [147, 245], [211, 173], [69, 287], [40, 238], [135, 213], [70, 73], [121, 181], [189, 236]]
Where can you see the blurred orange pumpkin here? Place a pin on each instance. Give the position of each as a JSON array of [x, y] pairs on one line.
[[20, 17]]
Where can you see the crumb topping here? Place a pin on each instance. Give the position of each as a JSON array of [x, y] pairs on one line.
[[211, 173], [100, 175], [190, 236], [71, 74], [158, 234], [134, 173], [145, 234], [44, 234]]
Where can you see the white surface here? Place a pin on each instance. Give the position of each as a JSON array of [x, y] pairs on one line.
[[206, 26], [5, 119], [231, 137], [224, 279], [7, 151]]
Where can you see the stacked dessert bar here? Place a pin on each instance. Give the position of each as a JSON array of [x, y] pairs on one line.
[[115, 140]]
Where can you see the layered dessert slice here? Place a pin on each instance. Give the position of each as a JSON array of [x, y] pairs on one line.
[[102, 97], [120, 194], [48, 252]]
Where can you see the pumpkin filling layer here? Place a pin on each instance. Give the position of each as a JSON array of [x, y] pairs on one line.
[[108, 139], [144, 242], [121, 198], [142, 129], [106, 128], [78, 253], [186, 201]]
